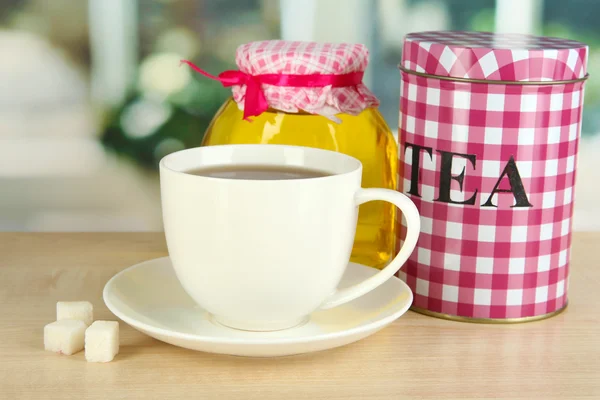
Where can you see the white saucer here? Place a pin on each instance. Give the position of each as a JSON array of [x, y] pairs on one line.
[[148, 297]]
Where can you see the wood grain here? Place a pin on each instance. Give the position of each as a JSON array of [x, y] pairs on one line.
[[417, 357]]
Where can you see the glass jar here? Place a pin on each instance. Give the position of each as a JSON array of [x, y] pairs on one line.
[[365, 136], [311, 94]]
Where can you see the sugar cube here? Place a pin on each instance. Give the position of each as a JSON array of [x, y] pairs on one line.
[[65, 337], [81, 310], [102, 341]]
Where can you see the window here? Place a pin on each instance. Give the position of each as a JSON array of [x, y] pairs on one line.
[[92, 95]]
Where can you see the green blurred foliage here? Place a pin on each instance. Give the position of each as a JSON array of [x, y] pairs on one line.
[[189, 111], [483, 21]]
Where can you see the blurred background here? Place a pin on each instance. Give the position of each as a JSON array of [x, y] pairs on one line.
[[92, 96]]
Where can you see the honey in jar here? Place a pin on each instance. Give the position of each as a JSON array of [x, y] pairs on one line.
[[309, 94]]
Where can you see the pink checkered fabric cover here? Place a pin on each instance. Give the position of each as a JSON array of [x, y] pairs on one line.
[[303, 58], [484, 55], [491, 168]]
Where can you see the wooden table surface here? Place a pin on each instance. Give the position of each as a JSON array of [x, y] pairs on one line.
[[416, 357]]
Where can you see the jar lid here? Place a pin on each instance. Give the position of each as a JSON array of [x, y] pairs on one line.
[[295, 58], [494, 56]]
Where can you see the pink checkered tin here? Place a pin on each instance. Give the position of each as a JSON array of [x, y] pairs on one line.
[[489, 129]]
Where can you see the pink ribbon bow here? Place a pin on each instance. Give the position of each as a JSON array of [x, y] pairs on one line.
[[255, 102]]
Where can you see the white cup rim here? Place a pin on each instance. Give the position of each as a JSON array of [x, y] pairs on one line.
[[335, 163]]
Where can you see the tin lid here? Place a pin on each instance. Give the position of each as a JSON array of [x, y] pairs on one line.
[[494, 56]]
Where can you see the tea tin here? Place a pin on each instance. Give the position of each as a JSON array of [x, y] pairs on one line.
[[489, 131]]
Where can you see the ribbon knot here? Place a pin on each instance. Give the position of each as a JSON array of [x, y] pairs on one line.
[[255, 102]]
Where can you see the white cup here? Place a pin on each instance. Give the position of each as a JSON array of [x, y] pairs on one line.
[[262, 255]]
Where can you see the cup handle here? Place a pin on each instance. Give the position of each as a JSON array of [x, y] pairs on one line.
[[413, 227]]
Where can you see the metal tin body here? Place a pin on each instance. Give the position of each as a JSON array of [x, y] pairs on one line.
[[491, 167]]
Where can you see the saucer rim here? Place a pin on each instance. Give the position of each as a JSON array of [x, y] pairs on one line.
[[138, 325]]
